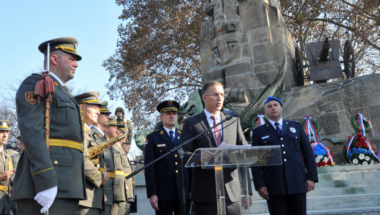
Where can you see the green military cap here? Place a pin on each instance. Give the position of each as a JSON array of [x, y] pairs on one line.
[[182, 118], [5, 125], [113, 121], [104, 108], [168, 106], [91, 97], [120, 109], [65, 44]]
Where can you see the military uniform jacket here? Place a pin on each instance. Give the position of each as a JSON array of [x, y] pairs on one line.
[[120, 183], [94, 177], [5, 201], [110, 167], [298, 162], [203, 187], [164, 177], [15, 158], [127, 168], [39, 170]]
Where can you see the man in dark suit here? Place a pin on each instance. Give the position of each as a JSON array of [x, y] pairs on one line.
[[203, 192], [163, 179], [284, 186]]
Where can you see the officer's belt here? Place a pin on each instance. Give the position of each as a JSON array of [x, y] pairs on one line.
[[111, 174], [4, 188], [66, 144]]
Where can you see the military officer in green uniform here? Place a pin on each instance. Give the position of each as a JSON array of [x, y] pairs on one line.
[[120, 186], [6, 168], [95, 178], [99, 134], [127, 168], [51, 177], [120, 114]]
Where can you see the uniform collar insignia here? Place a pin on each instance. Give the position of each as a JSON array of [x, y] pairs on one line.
[[162, 132]]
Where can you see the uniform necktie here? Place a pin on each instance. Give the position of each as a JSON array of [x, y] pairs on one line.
[[172, 136], [278, 129], [218, 135]]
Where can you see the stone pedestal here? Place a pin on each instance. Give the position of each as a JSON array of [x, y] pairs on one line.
[[243, 44], [333, 104]]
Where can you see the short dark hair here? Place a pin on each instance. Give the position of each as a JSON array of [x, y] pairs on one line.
[[209, 84]]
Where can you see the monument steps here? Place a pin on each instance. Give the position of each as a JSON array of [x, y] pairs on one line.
[[340, 190]]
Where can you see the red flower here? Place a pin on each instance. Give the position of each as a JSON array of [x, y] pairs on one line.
[[332, 155], [362, 139], [359, 144], [359, 135], [323, 163], [365, 145], [318, 164], [345, 148]]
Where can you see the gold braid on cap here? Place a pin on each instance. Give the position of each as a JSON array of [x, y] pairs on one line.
[[167, 109], [4, 127], [91, 101], [66, 48]]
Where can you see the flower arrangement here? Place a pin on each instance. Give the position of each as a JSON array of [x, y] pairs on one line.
[[322, 156], [360, 150]]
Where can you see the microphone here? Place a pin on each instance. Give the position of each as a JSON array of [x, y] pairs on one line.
[[229, 113]]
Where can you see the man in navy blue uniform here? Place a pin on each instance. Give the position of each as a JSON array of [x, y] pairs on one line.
[[284, 186], [163, 179]]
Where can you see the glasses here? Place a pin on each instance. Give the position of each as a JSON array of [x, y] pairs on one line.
[[216, 95]]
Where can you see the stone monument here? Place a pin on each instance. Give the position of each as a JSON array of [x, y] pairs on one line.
[[243, 45]]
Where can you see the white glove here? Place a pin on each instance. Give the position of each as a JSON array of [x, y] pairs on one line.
[[46, 198]]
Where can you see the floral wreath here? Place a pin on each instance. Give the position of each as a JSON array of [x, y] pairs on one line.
[[315, 124], [355, 124], [256, 118]]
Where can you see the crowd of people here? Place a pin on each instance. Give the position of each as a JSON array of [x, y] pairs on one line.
[[73, 157]]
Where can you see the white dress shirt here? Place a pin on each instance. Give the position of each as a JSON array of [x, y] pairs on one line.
[[279, 122], [211, 121], [100, 131], [168, 131], [56, 78]]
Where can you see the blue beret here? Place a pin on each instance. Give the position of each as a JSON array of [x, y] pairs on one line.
[[272, 98]]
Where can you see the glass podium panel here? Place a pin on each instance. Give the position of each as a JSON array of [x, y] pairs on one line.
[[239, 158]]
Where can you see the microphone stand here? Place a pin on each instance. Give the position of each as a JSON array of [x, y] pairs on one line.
[[175, 149]]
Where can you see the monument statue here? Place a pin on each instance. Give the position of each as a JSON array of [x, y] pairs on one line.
[[243, 44]]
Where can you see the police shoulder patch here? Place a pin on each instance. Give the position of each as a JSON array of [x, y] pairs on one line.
[[29, 97]]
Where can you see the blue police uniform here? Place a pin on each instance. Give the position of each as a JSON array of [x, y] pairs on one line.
[[298, 165], [164, 177]]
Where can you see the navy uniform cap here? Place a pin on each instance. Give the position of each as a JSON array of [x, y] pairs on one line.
[[271, 99], [91, 97], [65, 44], [5, 125], [168, 106]]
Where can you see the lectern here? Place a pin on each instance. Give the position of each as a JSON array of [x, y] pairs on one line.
[[237, 157]]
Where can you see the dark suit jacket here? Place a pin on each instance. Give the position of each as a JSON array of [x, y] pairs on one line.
[[203, 180], [298, 162], [164, 177], [39, 170]]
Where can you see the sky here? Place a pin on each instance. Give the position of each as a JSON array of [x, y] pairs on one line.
[[25, 24]]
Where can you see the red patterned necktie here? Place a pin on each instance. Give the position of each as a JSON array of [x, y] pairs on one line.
[[218, 135]]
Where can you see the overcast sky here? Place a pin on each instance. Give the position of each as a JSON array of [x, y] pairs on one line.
[[25, 24]]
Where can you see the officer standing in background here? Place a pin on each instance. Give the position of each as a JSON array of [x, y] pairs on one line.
[[6, 169], [181, 119], [100, 136], [284, 186], [163, 179], [95, 179], [120, 187], [126, 146], [120, 114], [41, 180], [15, 158]]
